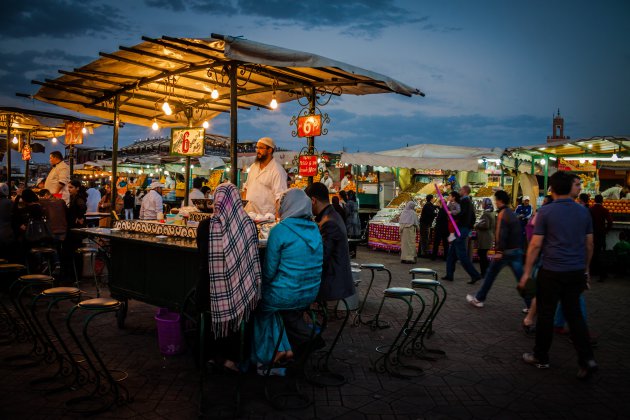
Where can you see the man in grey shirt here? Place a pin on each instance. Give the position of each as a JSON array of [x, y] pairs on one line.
[[564, 234]]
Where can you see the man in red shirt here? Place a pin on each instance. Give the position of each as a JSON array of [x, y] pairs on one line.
[[602, 223]]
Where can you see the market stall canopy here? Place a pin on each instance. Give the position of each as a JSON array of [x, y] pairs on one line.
[[40, 125], [599, 148], [185, 72], [284, 157], [426, 156]]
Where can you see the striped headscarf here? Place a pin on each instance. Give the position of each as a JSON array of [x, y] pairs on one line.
[[233, 260]]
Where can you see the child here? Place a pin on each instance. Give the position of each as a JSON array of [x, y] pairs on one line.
[[454, 209]]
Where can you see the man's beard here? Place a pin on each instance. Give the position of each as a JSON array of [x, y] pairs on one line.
[[260, 158]]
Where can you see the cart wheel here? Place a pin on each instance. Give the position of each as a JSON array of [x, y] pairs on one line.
[[121, 315]]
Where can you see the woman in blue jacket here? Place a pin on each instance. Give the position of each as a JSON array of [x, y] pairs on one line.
[[291, 278]]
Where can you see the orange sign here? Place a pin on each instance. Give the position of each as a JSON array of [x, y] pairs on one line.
[[26, 152], [310, 126], [308, 165], [74, 132]]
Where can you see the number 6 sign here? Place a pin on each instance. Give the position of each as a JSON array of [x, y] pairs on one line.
[[187, 141], [310, 126]]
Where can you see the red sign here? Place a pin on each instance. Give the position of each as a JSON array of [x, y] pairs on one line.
[[74, 132], [26, 152], [310, 126], [308, 165]]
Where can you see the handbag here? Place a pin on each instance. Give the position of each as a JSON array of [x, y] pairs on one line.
[[37, 231]]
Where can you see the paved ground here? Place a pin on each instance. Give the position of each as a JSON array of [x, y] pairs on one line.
[[482, 375]]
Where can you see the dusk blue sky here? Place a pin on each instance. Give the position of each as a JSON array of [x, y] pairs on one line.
[[494, 72]]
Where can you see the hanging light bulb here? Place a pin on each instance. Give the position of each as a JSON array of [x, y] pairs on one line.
[[227, 169], [614, 157], [582, 161], [273, 104], [155, 125], [543, 162], [15, 140], [54, 140], [167, 108], [215, 93], [139, 171], [183, 169], [84, 130], [205, 124]]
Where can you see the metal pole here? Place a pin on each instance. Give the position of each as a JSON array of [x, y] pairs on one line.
[[27, 162], [546, 174], [233, 67], [515, 182], [71, 159], [115, 152], [188, 113], [9, 152], [310, 141]]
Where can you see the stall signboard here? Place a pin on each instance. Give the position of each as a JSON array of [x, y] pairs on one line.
[[26, 152], [307, 165], [187, 141], [582, 165], [74, 132], [310, 125]]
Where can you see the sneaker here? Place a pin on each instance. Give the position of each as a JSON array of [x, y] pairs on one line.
[[451, 237], [277, 371], [586, 372], [474, 302], [530, 359], [525, 310]]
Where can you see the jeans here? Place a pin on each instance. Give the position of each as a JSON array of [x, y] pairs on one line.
[[511, 257], [566, 287], [128, 214], [457, 251]]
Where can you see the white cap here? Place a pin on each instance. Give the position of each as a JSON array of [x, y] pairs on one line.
[[267, 141], [156, 184], [526, 197]]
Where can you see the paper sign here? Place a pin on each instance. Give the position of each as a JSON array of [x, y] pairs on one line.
[[308, 165], [187, 141]]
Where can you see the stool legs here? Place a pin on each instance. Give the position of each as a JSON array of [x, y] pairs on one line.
[[417, 344], [78, 276], [374, 323]]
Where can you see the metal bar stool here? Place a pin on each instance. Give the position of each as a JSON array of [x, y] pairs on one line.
[[438, 297], [323, 375], [374, 323], [104, 383], [28, 329], [79, 253], [65, 359], [46, 254], [10, 326], [389, 359]]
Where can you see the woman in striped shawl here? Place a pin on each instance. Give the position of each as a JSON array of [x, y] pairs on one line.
[[229, 282]]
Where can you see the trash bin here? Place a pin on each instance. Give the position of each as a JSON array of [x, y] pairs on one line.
[[169, 332]]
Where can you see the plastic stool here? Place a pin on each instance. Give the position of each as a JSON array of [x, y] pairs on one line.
[[8, 274], [389, 361], [92, 253], [112, 387], [374, 323]]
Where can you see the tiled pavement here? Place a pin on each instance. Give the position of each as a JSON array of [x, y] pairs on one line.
[[482, 375]]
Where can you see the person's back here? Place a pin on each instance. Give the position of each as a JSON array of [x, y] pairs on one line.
[[55, 210], [510, 230]]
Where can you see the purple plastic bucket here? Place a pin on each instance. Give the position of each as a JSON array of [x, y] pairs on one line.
[[169, 332]]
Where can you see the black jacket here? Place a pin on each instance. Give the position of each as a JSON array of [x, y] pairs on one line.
[[428, 214], [466, 217], [510, 231], [336, 272]]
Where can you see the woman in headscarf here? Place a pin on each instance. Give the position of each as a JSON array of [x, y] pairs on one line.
[[291, 279], [230, 276], [485, 233], [408, 223]]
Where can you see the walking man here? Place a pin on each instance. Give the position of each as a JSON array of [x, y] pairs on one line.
[[457, 250], [564, 235], [426, 220]]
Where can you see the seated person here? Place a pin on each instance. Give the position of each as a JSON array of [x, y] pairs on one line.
[[229, 281], [291, 280]]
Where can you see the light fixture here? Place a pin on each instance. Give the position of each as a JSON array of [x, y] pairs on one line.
[[590, 146], [480, 161], [15, 140], [614, 157], [148, 166], [84, 130], [591, 161], [205, 124], [552, 158], [155, 125], [166, 172], [54, 140], [227, 169], [183, 169], [543, 162], [139, 171], [167, 108], [273, 104], [582, 161], [319, 160], [215, 93]]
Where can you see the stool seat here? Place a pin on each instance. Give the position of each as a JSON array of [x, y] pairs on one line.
[[419, 283], [399, 291], [420, 270], [355, 265], [99, 303], [373, 266], [36, 278], [61, 291], [5, 268], [42, 250], [86, 249]]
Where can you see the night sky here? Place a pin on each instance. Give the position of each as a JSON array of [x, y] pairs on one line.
[[494, 72]]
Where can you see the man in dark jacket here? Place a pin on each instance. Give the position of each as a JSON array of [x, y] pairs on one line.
[[602, 223], [458, 248], [509, 251], [426, 220], [336, 272]]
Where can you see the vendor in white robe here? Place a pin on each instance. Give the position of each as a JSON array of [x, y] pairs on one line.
[[408, 227], [266, 180], [152, 203]]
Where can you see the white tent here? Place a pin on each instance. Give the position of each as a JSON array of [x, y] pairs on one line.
[[426, 156]]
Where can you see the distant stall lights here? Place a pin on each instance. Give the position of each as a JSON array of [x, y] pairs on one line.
[[84, 130], [167, 108], [15, 140], [54, 140], [205, 124]]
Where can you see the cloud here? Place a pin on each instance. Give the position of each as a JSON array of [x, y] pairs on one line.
[[174, 5], [57, 18]]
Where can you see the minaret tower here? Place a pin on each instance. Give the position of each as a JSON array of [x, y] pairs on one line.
[[558, 129]]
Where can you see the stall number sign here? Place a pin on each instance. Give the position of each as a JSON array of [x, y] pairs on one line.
[[26, 152], [74, 132], [308, 165], [310, 126], [187, 141]]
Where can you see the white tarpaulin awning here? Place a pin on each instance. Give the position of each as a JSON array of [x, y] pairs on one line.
[[426, 156]]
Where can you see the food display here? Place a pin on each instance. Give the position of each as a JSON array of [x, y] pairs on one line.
[[615, 206], [402, 198], [416, 187], [484, 191]]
